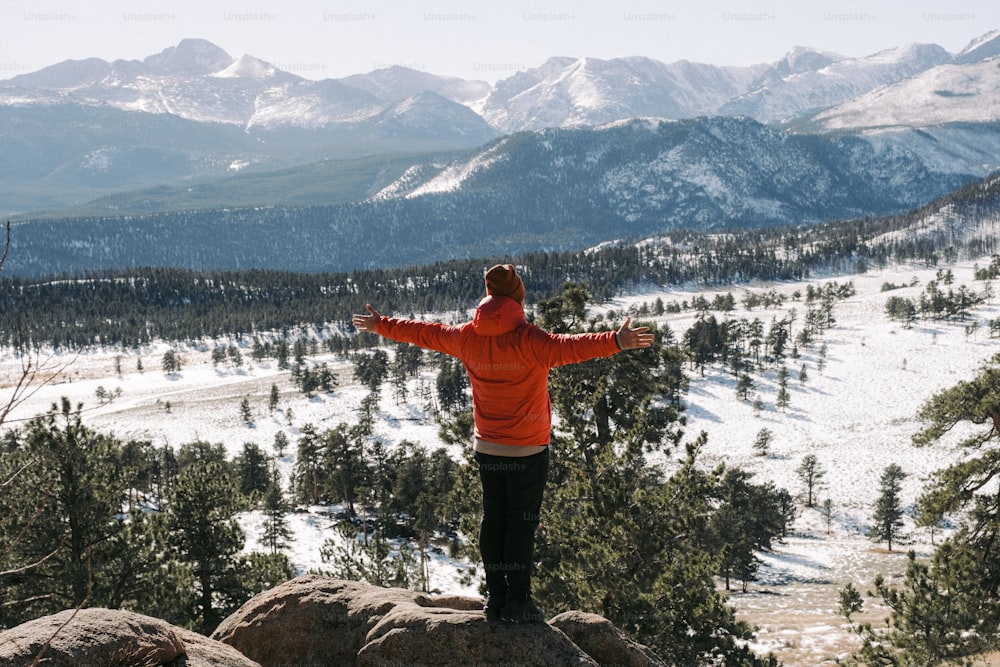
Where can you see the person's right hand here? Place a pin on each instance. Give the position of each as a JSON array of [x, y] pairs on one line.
[[367, 322]]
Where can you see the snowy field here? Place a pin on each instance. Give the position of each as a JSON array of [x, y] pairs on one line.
[[856, 416]]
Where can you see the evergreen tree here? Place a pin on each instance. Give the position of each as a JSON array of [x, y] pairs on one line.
[[747, 518], [273, 397], [63, 528], [372, 559], [811, 472], [235, 356], [171, 362], [887, 519], [945, 612], [252, 470], [783, 399], [821, 361], [762, 443], [276, 533], [202, 508], [744, 386], [246, 414], [308, 465], [371, 369], [280, 444], [260, 572], [344, 469], [827, 512], [281, 354], [452, 386]]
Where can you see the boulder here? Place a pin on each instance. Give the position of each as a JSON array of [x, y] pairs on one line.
[[111, 637], [426, 637], [313, 620], [603, 641]]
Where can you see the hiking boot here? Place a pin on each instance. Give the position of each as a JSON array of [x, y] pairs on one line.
[[524, 611], [494, 605]]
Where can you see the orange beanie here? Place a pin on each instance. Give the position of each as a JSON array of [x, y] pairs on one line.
[[502, 280]]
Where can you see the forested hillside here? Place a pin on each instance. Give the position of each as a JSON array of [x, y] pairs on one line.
[[557, 190], [132, 307]]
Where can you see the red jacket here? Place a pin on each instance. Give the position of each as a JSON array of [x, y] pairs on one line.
[[508, 362]]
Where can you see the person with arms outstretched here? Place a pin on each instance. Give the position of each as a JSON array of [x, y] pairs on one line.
[[508, 361]]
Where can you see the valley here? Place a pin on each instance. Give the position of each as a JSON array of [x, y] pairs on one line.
[[856, 415]]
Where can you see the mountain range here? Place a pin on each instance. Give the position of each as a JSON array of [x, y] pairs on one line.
[[555, 189], [811, 137]]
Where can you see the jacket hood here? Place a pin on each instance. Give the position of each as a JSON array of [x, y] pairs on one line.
[[497, 315]]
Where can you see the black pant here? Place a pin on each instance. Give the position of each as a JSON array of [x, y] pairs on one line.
[[512, 500]]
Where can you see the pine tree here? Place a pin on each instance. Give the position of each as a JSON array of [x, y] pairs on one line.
[[246, 414], [827, 512], [747, 518], [274, 396], [344, 469], [202, 507], [252, 471], [371, 369], [811, 473], [887, 519], [280, 444], [276, 533], [762, 443], [308, 465], [62, 493], [171, 362], [783, 398]]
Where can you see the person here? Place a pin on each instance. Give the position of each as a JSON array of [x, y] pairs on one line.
[[507, 361]]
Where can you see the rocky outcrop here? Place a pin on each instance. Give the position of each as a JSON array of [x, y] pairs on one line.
[[110, 638], [603, 641], [318, 621], [313, 620]]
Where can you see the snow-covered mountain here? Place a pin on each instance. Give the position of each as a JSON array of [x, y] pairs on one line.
[[198, 81], [567, 92], [817, 84], [587, 91], [193, 113], [965, 90], [392, 84], [553, 189]]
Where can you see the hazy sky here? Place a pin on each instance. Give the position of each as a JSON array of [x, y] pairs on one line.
[[476, 39]]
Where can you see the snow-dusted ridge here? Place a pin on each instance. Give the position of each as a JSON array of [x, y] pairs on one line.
[[454, 175]]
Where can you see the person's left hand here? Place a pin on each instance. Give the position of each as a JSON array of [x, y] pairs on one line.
[[630, 339], [367, 322]]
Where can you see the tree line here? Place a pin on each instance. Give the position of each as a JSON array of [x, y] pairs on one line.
[[131, 307]]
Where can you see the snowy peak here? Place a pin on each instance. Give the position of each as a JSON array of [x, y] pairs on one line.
[[781, 98], [249, 67], [392, 84], [66, 75], [954, 92], [980, 49], [191, 57], [428, 115], [804, 59], [591, 91]]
